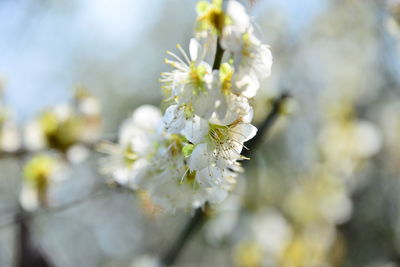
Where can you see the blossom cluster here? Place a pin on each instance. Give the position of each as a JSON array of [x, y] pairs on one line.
[[58, 136], [190, 155], [66, 127]]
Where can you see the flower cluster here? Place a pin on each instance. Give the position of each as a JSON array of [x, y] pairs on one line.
[[190, 155], [67, 128], [40, 173], [60, 135]]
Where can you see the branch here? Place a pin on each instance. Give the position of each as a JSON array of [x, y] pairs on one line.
[[8, 219], [14, 154], [97, 192], [21, 152], [194, 224], [27, 254], [218, 56], [266, 125]]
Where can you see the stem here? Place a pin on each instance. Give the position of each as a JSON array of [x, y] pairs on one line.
[[27, 254], [218, 56], [194, 224], [267, 124]]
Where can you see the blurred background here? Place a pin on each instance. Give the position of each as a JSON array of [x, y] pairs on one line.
[[322, 190]]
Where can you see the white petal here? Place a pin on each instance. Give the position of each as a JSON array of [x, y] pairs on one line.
[[199, 158], [34, 137], [204, 105], [217, 195], [231, 39], [238, 14], [233, 153], [221, 105], [244, 132], [369, 139], [77, 154], [10, 140], [174, 120], [28, 198], [126, 130], [138, 171], [141, 142], [63, 111], [223, 163], [195, 130], [263, 62], [121, 175], [247, 83], [210, 175], [237, 107], [147, 117], [249, 116], [194, 48]]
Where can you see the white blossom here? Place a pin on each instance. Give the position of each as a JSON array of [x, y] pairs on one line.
[[189, 83], [127, 161], [253, 64], [191, 155], [223, 145], [237, 25]]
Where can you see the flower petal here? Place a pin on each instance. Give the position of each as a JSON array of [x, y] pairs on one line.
[[174, 119], [194, 49], [199, 158], [195, 130]]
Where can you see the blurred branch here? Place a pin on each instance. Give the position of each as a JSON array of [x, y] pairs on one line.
[[200, 215], [194, 224], [14, 154], [27, 254], [218, 56], [7, 220], [98, 192], [265, 126], [23, 151]]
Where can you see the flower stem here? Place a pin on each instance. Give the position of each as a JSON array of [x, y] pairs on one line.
[[266, 125], [218, 56], [27, 254], [194, 224]]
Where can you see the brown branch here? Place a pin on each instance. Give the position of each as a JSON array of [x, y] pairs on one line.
[[28, 255]]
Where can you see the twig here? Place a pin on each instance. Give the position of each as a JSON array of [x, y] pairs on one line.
[[218, 56], [98, 192], [190, 228], [27, 254], [14, 154], [21, 152], [265, 126], [8, 219]]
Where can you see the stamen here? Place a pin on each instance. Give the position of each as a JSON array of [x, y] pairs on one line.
[[177, 58], [183, 53]]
